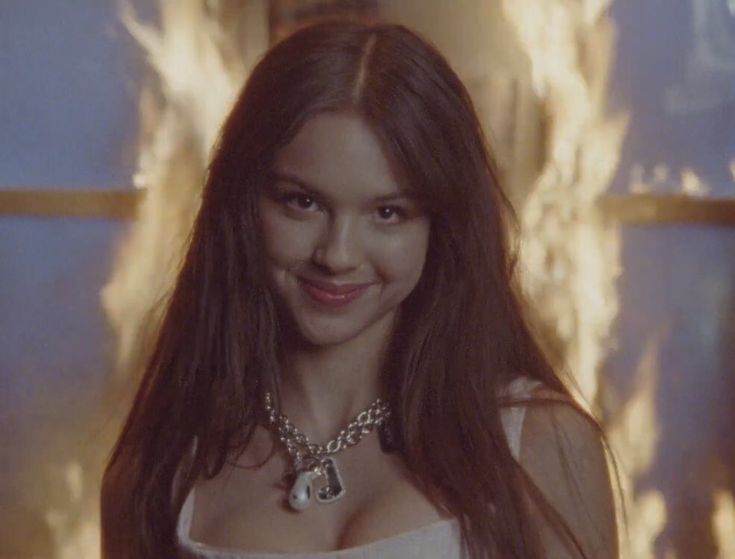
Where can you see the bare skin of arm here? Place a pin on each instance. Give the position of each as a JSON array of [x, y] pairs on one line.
[[564, 456]]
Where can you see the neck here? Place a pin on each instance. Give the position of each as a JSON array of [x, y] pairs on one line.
[[324, 387]]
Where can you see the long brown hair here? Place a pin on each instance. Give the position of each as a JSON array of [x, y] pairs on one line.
[[461, 334]]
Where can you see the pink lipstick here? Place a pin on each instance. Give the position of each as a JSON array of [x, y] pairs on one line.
[[332, 295]]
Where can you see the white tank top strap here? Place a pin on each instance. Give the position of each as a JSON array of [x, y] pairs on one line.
[[512, 416], [183, 525]]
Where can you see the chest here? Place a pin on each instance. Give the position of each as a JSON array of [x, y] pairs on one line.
[[246, 508]]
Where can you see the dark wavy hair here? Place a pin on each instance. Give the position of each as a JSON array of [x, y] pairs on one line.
[[460, 338]]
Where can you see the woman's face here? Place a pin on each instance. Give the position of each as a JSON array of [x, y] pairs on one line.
[[345, 244]]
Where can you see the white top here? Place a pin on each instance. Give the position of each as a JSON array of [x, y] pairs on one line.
[[440, 540]]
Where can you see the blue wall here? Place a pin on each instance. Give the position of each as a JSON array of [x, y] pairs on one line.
[[68, 95], [655, 52], [68, 99], [679, 280]]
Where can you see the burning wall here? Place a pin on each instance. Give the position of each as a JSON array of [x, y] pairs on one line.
[[559, 149]]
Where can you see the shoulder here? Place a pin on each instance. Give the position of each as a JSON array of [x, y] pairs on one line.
[[563, 454]]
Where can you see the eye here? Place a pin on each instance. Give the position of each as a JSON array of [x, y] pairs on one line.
[[388, 212], [298, 201]]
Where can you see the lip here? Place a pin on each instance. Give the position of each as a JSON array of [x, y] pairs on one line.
[[333, 295]]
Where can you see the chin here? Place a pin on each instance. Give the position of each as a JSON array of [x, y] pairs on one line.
[[311, 325], [327, 332]]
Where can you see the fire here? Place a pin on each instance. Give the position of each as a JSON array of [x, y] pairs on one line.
[[692, 184], [723, 524], [634, 436], [75, 529], [200, 55], [199, 64], [571, 254], [661, 181], [567, 247]]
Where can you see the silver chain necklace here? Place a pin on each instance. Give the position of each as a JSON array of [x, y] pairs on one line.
[[314, 463]]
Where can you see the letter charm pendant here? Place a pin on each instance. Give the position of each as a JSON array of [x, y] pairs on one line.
[[333, 489]]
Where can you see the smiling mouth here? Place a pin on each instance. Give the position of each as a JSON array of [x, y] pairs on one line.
[[328, 297]]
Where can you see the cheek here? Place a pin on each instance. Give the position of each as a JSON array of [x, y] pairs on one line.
[[285, 241], [403, 257]]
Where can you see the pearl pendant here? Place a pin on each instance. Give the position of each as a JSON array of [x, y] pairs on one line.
[[300, 496]]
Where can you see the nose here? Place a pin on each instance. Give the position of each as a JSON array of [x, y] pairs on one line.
[[338, 250]]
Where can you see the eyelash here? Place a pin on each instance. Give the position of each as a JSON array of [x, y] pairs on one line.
[[289, 197]]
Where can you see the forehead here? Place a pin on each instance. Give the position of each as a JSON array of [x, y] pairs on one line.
[[340, 153]]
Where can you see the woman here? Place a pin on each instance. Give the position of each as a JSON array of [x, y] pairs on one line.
[[350, 256]]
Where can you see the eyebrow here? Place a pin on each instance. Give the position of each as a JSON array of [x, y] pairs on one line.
[[311, 189]]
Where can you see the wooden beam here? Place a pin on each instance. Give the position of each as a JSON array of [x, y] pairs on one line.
[[82, 203], [657, 209], [639, 209]]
